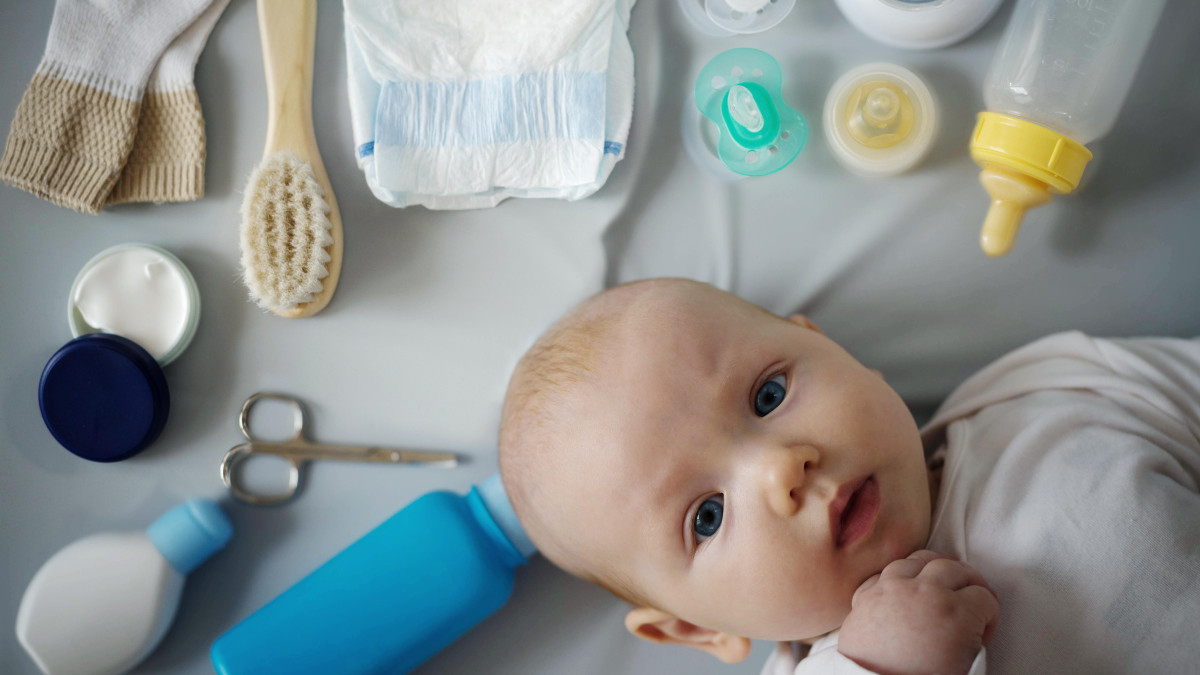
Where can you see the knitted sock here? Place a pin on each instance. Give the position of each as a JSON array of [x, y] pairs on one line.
[[167, 160], [76, 121]]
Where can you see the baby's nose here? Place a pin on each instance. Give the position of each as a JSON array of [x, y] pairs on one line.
[[785, 474]]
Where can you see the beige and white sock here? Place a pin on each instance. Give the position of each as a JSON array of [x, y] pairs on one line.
[[166, 163], [77, 119]]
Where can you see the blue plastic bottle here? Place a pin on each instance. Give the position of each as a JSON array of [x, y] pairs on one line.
[[393, 598]]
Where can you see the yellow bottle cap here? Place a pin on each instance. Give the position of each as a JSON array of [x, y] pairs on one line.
[[1023, 165]]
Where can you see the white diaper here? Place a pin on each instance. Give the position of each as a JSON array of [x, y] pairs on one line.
[[462, 104]]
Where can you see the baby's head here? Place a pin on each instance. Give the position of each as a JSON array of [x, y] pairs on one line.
[[732, 474]]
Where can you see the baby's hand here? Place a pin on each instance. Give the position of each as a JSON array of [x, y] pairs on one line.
[[927, 613]]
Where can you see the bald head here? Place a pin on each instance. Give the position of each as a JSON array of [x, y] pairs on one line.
[[545, 401], [551, 399]]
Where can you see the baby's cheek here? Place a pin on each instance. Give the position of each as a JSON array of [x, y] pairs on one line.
[[787, 602]]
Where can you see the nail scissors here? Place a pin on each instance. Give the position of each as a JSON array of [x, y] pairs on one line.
[[297, 450]]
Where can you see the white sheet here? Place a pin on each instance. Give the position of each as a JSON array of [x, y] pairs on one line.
[[433, 308]]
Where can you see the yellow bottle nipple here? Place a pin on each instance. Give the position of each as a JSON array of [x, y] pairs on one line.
[[879, 114], [1024, 165], [1012, 193]]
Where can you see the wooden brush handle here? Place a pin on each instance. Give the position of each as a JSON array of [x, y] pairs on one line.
[[288, 29]]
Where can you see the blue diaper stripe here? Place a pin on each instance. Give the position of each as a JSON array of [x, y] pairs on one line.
[[366, 149], [506, 109], [612, 148]]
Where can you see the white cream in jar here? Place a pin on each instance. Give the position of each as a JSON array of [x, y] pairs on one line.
[[140, 292]]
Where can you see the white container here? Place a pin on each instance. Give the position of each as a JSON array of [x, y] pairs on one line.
[[918, 24], [1057, 82], [101, 605], [138, 291]]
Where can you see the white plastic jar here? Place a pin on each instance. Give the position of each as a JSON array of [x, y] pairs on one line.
[[140, 292]]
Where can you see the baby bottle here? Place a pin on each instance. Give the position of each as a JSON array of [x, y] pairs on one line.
[[1056, 84], [101, 605], [393, 598]]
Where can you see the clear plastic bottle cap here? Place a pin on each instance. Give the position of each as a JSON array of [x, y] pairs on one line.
[[880, 119], [918, 24], [733, 17]]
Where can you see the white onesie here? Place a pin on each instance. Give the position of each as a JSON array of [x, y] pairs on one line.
[[1072, 482]]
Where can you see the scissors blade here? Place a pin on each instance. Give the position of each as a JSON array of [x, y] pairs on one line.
[[430, 457], [356, 453], [304, 451]]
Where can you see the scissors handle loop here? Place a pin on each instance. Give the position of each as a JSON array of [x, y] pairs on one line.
[[297, 450], [243, 451], [297, 413]]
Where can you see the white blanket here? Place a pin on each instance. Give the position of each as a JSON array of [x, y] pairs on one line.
[[1072, 481]]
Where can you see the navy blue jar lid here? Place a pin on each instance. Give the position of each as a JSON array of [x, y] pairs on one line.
[[103, 397]]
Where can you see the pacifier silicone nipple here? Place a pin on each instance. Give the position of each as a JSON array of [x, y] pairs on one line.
[[881, 119], [744, 110], [747, 16], [740, 90]]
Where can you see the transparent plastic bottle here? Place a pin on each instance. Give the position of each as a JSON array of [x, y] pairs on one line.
[[1057, 82]]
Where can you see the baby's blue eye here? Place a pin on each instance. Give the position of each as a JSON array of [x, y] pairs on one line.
[[770, 395], [708, 517]]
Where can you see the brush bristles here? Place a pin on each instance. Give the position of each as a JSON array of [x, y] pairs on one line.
[[285, 231]]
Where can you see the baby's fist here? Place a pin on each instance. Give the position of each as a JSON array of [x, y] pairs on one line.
[[924, 614]]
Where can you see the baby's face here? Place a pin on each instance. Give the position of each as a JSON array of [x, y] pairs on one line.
[[742, 471]]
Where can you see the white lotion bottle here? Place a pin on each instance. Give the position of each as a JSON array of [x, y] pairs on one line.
[[101, 604]]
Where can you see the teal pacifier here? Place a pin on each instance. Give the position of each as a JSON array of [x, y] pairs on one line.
[[741, 91]]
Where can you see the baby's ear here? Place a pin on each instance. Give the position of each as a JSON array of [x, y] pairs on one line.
[[801, 320], [660, 627]]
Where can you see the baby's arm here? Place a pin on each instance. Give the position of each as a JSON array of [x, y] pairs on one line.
[[924, 614]]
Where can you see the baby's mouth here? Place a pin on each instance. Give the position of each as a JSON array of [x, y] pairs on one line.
[[853, 511]]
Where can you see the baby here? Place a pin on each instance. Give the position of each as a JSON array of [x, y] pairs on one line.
[[734, 475]]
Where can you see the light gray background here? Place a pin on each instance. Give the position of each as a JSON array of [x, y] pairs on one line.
[[434, 307]]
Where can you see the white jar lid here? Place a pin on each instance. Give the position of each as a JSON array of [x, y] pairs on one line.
[[918, 24], [880, 119]]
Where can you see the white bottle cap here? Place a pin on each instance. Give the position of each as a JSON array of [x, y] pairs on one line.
[[880, 119], [918, 24]]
